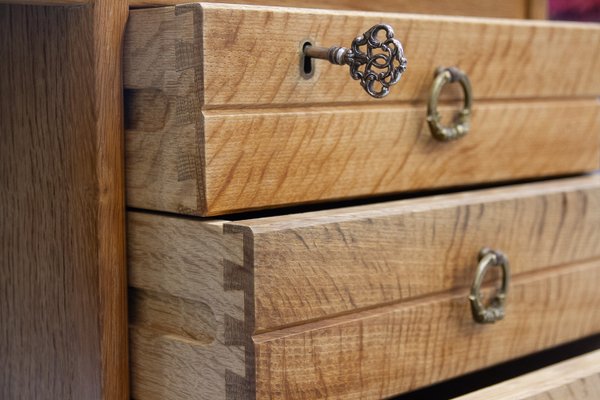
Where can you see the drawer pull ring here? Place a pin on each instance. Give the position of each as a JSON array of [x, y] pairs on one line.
[[377, 64], [462, 121], [495, 311]]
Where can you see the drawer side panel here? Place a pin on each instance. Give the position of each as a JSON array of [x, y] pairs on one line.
[[189, 310]]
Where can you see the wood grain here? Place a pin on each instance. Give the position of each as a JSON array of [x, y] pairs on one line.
[[200, 289], [504, 59], [164, 165], [188, 305], [574, 379], [62, 285], [384, 351], [313, 265], [390, 350], [266, 159], [309, 266], [185, 156], [480, 8], [109, 20], [262, 159]]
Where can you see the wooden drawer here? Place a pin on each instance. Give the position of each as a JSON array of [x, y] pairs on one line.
[[536, 9], [221, 120], [574, 379], [358, 302]]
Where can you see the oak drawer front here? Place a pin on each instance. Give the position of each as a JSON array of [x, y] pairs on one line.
[[522, 9], [395, 349], [371, 354], [248, 293], [377, 253], [220, 120], [574, 379], [248, 56]]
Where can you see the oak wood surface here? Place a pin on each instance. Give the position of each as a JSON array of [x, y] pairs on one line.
[[312, 265], [266, 159], [189, 299], [248, 160], [368, 354], [574, 379], [170, 114], [62, 280], [394, 349], [481, 8], [186, 156], [201, 288], [504, 59]]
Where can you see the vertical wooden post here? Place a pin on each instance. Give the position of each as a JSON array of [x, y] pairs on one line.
[[63, 320], [537, 9]]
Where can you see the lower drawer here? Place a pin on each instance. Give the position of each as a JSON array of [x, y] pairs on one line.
[[360, 302], [381, 352], [574, 379]]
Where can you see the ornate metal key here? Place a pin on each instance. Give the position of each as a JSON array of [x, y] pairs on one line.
[[372, 61]]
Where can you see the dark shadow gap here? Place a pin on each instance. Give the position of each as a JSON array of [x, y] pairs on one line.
[[502, 372], [331, 204]]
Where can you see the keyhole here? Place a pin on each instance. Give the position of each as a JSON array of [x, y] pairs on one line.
[[307, 64]]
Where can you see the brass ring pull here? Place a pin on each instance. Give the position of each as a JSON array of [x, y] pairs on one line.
[[495, 311], [463, 119]]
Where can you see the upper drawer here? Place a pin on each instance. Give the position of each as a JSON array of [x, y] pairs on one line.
[[245, 56], [219, 118], [536, 9]]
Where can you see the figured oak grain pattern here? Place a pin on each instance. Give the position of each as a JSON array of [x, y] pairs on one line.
[[189, 310], [505, 59], [312, 265], [186, 154], [62, 281], [200, 288], [480, 8], [164, 162], [249, 160], [574, 379], [394, 349], [256, 160]]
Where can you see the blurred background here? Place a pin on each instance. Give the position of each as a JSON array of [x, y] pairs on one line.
[[574, 10]]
